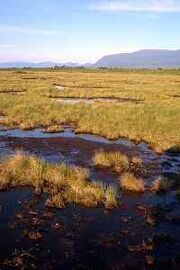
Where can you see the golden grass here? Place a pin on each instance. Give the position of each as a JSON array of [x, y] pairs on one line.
[[136, 162], [111, 198], [117, 161], [26, 126], [114, 160], [155, 119], [54, 129], [131, 183], [64, 184]]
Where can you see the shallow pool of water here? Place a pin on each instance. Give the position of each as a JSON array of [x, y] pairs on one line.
[[82, 238], [169, 163]]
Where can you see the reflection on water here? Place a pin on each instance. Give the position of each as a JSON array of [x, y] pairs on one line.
[[142, 230], [170, 163]]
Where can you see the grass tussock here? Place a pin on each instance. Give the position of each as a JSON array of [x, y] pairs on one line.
[[111, 198], [114, 160], [131, 183], [117, 161], [161, 184], [26, 126], [136, 163], [64, 184]]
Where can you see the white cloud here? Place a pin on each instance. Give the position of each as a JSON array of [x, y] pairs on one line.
[[27, 30], [154, 6]]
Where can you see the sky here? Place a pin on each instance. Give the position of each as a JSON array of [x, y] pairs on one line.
[[85, 30]]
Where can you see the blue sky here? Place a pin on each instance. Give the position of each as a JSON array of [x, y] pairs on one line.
[[85, 30]]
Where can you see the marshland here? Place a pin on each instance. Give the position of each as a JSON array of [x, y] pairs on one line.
[[89, 169]]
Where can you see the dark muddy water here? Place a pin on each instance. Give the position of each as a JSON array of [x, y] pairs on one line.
[[142, 233], [169, 162]]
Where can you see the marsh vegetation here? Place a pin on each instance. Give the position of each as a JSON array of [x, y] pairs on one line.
[[92, 184], [64, 184], [155, 119]]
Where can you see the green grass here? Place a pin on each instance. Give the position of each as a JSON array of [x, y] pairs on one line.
[[63, 184], [155, 119]]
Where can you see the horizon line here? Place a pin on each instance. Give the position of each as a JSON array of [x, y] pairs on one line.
[[79, 62]]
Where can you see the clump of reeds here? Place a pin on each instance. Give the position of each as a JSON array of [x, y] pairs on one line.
[[64, 184], [161, 184], [131, 183], [114, 160], [117, 161]]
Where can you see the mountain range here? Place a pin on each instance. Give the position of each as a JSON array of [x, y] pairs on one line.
[[142, 59], [149, 59]]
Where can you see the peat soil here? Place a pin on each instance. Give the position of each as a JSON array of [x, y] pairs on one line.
[[143, 232]]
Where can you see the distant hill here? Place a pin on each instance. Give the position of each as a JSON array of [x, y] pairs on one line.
[[142, 59], [36, 65]]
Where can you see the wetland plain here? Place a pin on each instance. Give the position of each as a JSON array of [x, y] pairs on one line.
[[89, 169]]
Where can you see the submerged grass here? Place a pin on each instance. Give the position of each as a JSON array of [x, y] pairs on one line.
[[64, 184]]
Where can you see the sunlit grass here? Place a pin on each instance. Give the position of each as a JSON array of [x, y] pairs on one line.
[[54, 129], [64, 184], [131, 183], [155, 119], [117, 161], [111, 198], [114, 160]]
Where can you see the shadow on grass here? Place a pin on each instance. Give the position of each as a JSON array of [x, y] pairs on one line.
[[174, 149]]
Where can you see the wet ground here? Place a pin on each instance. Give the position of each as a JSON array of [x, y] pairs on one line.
[[142, 233], [75, 100]]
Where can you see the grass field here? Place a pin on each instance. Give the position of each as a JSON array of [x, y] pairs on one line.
[[148, 108]]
